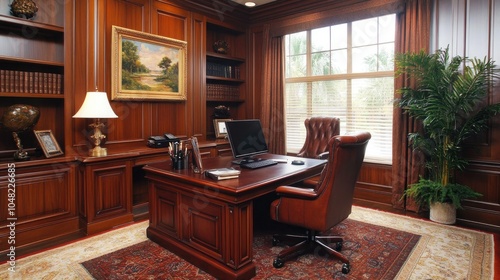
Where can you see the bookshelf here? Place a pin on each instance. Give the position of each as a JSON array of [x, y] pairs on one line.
[[32, 71], [225, 71]]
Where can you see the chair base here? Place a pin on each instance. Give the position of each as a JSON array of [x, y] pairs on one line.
[[309, 243]]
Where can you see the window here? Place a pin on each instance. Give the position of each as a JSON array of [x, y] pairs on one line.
[[347, 71]]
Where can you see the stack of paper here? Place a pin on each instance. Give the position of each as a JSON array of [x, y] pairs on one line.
[[222, 173]]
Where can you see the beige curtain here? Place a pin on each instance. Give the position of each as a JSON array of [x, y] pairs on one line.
[[412, 35], [273, 105]]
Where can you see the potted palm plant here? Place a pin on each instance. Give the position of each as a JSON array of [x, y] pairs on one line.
[[448, 97]]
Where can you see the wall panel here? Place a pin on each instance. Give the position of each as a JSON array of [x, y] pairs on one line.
[[197, 101], [172, 22], [133, 117]]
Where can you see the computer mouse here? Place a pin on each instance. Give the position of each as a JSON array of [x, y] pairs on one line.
[[297, 162]]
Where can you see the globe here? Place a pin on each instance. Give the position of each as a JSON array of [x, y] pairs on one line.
[[19, 118]]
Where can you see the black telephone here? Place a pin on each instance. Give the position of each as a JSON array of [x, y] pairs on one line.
[[170, 136], [161, 141]]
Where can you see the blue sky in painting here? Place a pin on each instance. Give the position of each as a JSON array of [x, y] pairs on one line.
[[151, 54]]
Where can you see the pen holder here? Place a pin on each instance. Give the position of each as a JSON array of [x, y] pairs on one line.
[[178, 154], [178, 163]]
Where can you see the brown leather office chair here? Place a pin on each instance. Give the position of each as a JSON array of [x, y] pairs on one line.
[[318, 131], [320, 208]]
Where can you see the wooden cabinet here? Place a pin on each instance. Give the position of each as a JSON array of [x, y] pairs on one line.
[[32, 70], [225, 71], [38, 201], [105, 187]]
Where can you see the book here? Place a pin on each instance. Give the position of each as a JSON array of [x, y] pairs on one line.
[[222, 173]]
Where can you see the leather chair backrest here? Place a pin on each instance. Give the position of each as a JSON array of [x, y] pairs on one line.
[[318, 131], [337, 181]]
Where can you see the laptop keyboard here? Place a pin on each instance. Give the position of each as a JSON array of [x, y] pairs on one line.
[[258, 164]]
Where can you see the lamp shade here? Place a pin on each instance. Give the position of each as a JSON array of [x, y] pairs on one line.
[[96, 105]]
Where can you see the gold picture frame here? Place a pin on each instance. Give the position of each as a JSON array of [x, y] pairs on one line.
[[156, 71], [220, 127], [48, 143]]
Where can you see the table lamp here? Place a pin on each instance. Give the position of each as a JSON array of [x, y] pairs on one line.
[[96, 106]]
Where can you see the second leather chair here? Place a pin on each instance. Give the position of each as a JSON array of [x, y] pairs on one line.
[[318, 131]]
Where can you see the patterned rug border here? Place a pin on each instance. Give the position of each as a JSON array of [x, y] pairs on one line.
[[484, 250], [416, 266]]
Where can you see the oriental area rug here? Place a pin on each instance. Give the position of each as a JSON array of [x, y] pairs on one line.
[[379, 245]]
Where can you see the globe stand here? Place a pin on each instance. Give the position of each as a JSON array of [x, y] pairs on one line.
[[20, 154]]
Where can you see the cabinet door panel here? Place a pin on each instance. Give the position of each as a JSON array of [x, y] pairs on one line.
[[202, 221], [167, 205], [111, 191], [39, 194], [42, 202]]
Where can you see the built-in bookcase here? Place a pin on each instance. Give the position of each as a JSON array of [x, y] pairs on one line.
[[32, 71], [225, 71]]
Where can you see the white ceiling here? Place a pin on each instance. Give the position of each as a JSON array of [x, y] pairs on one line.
[[257, 2]]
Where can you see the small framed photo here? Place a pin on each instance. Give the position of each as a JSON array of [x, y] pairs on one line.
[[48, 143], [220, 127]]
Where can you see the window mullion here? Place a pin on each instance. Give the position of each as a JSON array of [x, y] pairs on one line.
[[349, 109], [309, 74]]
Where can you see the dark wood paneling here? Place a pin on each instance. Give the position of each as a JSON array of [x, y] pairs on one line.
[[133, 122], [485, 210], [172, 22], [197, 78], [255, 68], [223, 11], [374, 185]]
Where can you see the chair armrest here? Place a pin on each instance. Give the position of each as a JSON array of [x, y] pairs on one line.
[[295, 192], [310, 183], [323, 155]]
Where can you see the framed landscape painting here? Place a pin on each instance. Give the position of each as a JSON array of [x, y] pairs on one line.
[[145, 66]]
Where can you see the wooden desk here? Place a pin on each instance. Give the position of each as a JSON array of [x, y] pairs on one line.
[[210, 223]]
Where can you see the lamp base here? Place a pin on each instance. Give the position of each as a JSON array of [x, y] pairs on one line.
[[98, 151]]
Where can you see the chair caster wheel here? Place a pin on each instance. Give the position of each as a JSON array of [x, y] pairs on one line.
[[346, 268], [276, 241], [338, 246], [278, 263]]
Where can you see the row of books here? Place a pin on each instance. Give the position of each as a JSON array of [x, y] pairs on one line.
[[222, 92], [221, 70], [30, 82]]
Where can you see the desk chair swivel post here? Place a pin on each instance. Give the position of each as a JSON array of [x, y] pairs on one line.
[[320, 208]]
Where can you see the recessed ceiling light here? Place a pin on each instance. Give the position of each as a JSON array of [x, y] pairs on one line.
[[250, 4]]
